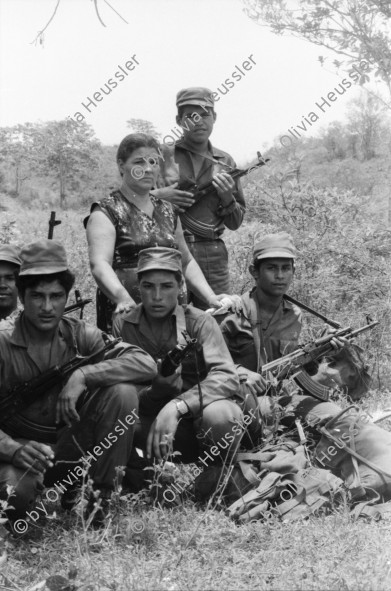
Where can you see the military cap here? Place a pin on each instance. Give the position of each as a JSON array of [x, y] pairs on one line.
[[159, 258], [275, 246], [43, 257], [195, 96], [10, 254]]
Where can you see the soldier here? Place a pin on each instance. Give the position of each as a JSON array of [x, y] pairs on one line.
[[47, 438], [194, 408], [9, 269], [197, 161], [269, 326]]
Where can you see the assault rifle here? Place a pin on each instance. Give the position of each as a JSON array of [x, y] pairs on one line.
[[26, 393], [78, 305], [175, 357], [293, 362], [52, 224], [207, 188]]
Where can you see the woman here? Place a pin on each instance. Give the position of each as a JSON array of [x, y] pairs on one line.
[[129, 220]]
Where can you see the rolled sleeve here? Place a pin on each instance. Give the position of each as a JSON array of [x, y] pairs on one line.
[[8, 447], [221, 380]]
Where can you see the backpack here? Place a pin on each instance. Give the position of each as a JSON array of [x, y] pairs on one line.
[[276, 480]]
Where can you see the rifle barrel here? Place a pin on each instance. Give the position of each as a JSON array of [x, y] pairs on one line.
[[77, 305]]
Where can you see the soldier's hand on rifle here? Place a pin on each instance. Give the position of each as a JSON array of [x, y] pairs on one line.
[[224, 185], [69, 395], [182, 199], [162, 432], [255, 382], [337, 343], [162, 386], [33, 456]]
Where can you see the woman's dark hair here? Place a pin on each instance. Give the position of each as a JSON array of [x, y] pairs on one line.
[[65, 278], [132, 142]]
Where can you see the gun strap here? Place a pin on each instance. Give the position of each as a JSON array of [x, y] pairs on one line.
[[206, 156], [252, 311], [180, 325], [332, 323]]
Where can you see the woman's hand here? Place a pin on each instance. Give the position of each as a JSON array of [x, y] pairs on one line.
[[125, 306], [223, 303]]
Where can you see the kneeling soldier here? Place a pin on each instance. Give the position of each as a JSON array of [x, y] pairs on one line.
[[34, 450], [192, 411]]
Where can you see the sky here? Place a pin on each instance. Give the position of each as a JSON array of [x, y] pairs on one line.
[[174, 44]]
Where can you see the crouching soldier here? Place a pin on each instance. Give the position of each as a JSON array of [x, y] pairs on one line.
[[193, 411], [268, 328], [50, 437]]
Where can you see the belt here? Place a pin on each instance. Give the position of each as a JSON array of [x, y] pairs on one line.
[[190, 238]]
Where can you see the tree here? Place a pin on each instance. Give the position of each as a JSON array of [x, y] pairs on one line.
[[66, 151], [143, 126], [16, 150], [335, 140], [354, 29], [367, 120]]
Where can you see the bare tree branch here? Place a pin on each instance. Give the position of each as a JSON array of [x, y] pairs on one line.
[[120, 16], [39, 36], [40, 33], [97, 13]]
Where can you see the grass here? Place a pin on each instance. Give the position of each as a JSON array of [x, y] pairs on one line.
[[328, 552], [186, 547]]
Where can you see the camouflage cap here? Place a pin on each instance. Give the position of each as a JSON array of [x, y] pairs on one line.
[[43, 257], [10, 254], [159, 258], [195, 96], [275, 246]]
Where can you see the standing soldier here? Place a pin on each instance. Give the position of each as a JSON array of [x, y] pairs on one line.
[[196, 161], [9, 269]]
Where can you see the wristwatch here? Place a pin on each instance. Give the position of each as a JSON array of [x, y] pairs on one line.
[[181, 407]]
